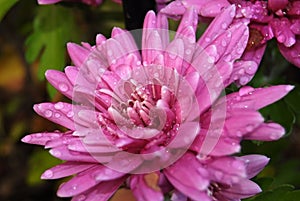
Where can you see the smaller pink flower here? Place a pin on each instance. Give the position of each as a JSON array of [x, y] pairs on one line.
[[278, 19]]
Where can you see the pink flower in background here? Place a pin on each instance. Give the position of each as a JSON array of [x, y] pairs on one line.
[[268, 19], [154, 120], [89, 2]]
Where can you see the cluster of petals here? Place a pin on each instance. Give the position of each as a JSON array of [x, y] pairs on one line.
[[268, 19], [212, 124], [88, 2]]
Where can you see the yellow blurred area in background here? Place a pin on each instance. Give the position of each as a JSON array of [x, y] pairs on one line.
[[12, 72]]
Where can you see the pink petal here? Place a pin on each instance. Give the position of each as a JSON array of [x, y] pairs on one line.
[[212, 8], [60, 113], [195, 181], [66, 169], [227, 170], [174, 9], [72, 74], [64, 153], [77, 53], [216, 26], [282, 31], [189, 18], [209, 143], [266, 132], [143, 190], [238, 42], [275, 5], [101, 192], [42, 2], [291, 53], [86, 180], [126, 41], [100, 39], [254, 164], [241, 121], [257, 98], [60, 81], [243, 189], [41, 138]]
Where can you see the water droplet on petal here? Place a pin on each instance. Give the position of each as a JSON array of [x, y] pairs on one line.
[[48, 174], [63, 87], [241, 72], [244, 80], [74, 187], [188, 51], [224, 25], [55, 153], [224, 43], [70, 114], [246, 90], [249, 128], [57, 115], [48, 113], [59, 105]]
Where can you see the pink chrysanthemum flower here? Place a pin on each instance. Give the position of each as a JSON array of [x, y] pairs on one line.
[[88, 2], [154, 120], [268, 19]]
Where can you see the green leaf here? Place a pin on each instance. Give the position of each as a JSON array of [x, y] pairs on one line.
[[281, 113], [53, 27], [5, 5], [39, 161]]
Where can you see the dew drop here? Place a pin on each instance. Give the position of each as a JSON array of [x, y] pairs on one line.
[[244, 80], [172, 55], [70, 114], [246, 90], [224, 25], [55, 153], [207, 39], [48, 174], [210, 60], [113, 61], [240, 50], [74, 187], [48, 113], [241, 72], [224, 43], [57, 115], [201, 156], [188, 51], [59, 106], [63, 87], [281, 38], [249, 128]]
